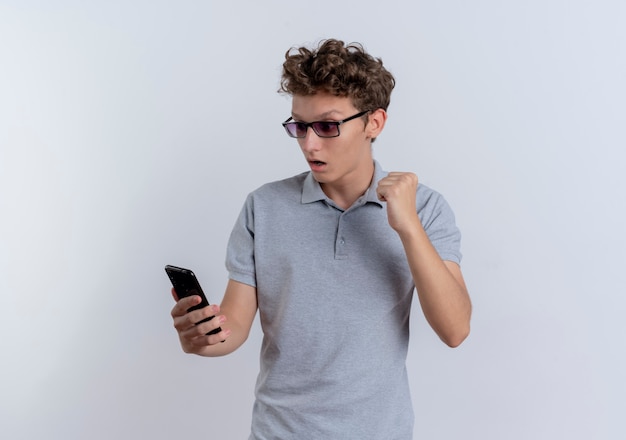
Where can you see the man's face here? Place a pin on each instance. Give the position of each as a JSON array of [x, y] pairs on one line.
[[337, 161]]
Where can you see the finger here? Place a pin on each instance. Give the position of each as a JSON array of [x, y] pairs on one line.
[[183, 324], [217, 338], [401, 177], [204, 314], [204, 334], [386, 189], [205, 327], [383, 188], [184, 304], [192, 319], [186, 325], [380, 193]]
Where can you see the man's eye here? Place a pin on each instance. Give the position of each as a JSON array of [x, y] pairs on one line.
[[326, 127], [300, 128]]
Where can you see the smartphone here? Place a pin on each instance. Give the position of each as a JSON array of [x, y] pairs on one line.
[[186, 284]]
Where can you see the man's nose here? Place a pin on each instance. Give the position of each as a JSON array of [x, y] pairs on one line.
[[311, 141]]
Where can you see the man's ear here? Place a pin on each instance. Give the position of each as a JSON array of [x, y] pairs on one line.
[[376, 123]]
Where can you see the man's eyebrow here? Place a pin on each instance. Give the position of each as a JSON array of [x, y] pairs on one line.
[[321, 117]]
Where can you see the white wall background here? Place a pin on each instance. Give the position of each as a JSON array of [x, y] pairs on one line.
[[131, 131]]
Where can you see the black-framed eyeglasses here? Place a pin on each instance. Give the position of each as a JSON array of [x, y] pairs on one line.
[[324, 129]]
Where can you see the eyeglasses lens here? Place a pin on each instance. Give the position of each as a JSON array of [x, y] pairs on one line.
[[299, 129], [326, 129], [321, 128], [295, 129]]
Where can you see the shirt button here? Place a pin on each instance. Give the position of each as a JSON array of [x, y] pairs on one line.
[[342, 242]]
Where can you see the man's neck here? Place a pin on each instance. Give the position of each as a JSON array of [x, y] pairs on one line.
[[344, 194]]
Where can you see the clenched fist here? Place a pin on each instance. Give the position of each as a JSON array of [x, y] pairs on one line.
[[398, 189]]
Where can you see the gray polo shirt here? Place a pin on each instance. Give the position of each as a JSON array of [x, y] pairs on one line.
[[334, 291]]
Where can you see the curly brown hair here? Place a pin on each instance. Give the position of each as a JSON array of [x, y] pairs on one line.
[[338, 69]]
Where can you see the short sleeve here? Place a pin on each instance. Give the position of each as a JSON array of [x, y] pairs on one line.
[[240, 250], [439, 223]]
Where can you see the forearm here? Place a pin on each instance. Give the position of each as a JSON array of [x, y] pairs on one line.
[[440, 287]]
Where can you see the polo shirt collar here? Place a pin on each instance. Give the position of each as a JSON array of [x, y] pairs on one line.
[[312, 191]]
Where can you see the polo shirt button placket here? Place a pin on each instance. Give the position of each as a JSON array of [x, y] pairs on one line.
[[340, 243]]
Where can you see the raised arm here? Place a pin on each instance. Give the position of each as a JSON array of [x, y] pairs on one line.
[[440, 286], [235, 315]]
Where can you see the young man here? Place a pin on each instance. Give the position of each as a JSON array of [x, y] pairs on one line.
[[331, 259]]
